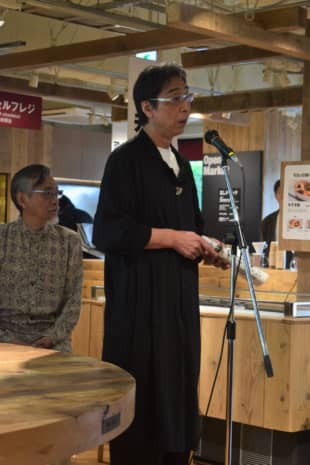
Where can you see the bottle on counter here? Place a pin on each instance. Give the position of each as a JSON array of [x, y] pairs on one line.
[[293, 262], [264, 262]]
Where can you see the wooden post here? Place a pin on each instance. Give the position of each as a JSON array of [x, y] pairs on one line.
[[303, 259], [28, 146]]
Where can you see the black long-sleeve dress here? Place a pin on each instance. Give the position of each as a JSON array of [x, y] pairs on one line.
[[152, 327]]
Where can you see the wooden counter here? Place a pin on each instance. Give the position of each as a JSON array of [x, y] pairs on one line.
[[87, 336], [282, 402], [53, 405], [280, 285]]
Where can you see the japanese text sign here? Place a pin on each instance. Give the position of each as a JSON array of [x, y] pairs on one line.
[[20, 111]]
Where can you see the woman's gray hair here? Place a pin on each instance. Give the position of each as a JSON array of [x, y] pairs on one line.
[[26, 179]]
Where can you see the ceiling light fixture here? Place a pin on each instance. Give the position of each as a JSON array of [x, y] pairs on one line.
[[92, 117], [112, 93], [267, 75], [197, 116], [125, 96], [105, 121], [2, 18], [283, 79], [33, 80], [293, 123]]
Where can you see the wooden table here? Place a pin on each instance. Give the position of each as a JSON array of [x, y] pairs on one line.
[[53, 405]]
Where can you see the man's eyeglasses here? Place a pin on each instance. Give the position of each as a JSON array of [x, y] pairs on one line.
[[49, 194], [176, 99]]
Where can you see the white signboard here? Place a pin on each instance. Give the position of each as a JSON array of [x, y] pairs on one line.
[[296, 202]]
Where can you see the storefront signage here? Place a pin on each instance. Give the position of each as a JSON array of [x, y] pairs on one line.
[[212, 165], [20, 111], [216, 208], [224, 211]]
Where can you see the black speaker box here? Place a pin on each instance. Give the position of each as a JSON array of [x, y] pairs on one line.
[[252, 445]]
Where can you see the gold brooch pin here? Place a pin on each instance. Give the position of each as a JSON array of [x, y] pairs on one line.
[[178, 190]]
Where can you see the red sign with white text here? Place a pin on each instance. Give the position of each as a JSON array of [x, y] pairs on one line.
[[20, 111]]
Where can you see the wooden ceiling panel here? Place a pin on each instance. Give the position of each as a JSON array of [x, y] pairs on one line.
[[237, 30], [61, 93], [252, 100], [225, 56], [159, 39]]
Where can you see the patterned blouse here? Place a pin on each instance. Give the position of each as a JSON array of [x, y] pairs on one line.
[[40, 283]]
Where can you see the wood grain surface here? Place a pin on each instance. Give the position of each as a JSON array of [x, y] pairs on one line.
[[53, 405], [280, 403]]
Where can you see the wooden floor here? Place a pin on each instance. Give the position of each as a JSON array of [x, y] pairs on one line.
[[90, 458]]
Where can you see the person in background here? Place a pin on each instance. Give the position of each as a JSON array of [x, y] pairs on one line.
[[149, 225], [69, 216], [270, 224], [74, 218], [40, 267]]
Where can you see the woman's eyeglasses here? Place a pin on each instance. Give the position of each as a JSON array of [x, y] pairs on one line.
[[49, 194], [176, 99]]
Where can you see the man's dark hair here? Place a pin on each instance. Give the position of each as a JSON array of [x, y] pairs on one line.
[[26, 179], [276, 186], [150, 83]]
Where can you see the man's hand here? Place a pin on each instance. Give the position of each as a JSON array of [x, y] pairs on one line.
[[45, 342]]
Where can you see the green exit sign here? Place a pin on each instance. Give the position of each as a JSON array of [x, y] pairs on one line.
[[152, 55]]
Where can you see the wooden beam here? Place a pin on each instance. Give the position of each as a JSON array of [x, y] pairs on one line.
[[237, 30], [119, 114], [60, 93], [93, 50], [224, 56], [282, 19], [159, 39], [252, 100]]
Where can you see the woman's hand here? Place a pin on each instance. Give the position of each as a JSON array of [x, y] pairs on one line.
[[188, 244], [217, 246]]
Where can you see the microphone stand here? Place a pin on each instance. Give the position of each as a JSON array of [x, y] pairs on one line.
[[231, 324]]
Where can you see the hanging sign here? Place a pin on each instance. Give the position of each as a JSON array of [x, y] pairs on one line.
[[20, 111]]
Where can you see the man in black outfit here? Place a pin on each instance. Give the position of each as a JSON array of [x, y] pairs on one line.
[[149, 225], [270, 223]]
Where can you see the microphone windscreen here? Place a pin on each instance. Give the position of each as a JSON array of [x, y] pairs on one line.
[[209, 136]]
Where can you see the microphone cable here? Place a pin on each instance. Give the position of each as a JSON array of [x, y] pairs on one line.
[[219, 363]]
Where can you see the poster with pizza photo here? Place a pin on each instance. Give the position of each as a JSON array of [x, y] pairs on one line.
[[296, 202]]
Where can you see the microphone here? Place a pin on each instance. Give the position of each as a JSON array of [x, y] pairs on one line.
[[212, 137]]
